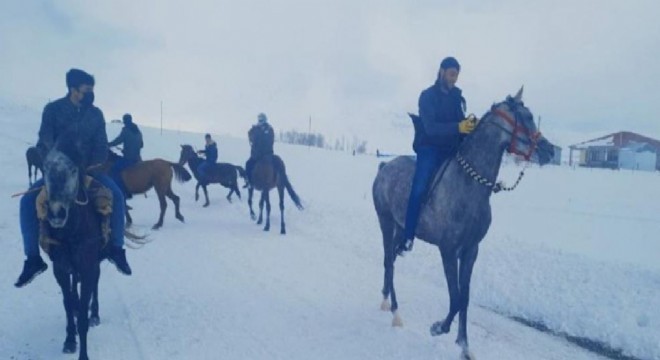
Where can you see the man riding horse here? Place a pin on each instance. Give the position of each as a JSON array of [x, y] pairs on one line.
[[439, 129], [210, 153], [262, 139], [73, 113], [131, 138]]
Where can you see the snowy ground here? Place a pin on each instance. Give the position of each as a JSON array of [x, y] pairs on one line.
[[574, 249]]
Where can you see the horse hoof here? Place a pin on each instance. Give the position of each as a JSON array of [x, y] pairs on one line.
[[385, 305], [253, 217], [266, 228], [94, 321], [156, 227], [206, 205], [180, 218], [70, 347], [438, 328], [282, 232], [397, 322], [467, 355]]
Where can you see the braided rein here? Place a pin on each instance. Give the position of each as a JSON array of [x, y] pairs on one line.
[[495, 187]]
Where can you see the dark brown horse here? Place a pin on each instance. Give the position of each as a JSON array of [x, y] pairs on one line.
[[269, 172], [157, 174], [34, 160], [224, 174], [71, 220]]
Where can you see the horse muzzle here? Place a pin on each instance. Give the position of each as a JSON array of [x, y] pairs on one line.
[[545, 151], [57, 215]]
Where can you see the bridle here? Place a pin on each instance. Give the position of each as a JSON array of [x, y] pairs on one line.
[[518, 129]]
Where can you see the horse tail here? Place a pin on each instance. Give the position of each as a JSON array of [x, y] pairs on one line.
[[279, 165], [241, 171], [381, 165], [292, 193], [181, 174], [136, 241]]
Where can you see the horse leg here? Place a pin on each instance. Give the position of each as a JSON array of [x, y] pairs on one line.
[[206, 195], [250, 193], [88, 283], [261, 207], [129, 219], [236, 190], [94, 319], [280, 192], [387, 229], [197, 191], [468, 258], [395, 238], [175, 199], [163, 207], [450, 264], [267, 198], [30, 174], [231, 191], [66, 284]]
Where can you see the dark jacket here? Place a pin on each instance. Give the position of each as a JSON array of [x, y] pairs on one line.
[[211, 152], [131, 137], [262, 139], [87, 124], [439, 115]]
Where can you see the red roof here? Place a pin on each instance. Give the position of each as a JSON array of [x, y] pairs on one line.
[[621, 139]]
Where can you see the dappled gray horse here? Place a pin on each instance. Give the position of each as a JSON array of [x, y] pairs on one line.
[[457, 213]]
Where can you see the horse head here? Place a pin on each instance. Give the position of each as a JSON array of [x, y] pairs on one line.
[[187, 153], [519, 132], [62, 176]]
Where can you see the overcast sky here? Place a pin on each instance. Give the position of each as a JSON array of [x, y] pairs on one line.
[[589, 67]]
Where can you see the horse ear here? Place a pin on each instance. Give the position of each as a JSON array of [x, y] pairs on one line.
[[518, 96]]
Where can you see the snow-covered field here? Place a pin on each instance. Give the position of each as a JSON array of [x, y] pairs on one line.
[[577, 250]]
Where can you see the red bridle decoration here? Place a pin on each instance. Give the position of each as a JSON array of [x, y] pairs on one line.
[[534, 137]]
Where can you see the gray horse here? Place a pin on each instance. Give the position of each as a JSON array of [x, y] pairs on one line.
[[457, 213]]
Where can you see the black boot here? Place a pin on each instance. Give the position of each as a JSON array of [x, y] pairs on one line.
[[32, 267], [117, 256]]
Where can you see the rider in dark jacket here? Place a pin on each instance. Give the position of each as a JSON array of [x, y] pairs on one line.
[[262, 139], [211, 157], [131, 137], [73, 113], [439, 129]]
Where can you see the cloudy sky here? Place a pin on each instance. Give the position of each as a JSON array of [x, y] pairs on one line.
[[589, 67]]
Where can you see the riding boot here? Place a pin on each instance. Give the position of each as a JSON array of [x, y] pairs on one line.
[[117, 256], [32, 267]]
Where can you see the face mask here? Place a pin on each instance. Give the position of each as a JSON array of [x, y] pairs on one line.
[[88, 99]]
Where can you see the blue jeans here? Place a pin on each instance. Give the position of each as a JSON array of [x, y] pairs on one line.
[[30, 223], [429, 160], [202, 170]]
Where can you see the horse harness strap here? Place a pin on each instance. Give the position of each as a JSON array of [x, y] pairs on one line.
[[495, 187]]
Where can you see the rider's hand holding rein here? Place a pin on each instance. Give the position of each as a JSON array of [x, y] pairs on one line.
[[467, 125]]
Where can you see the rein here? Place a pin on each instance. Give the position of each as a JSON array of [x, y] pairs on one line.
[[496, 187]]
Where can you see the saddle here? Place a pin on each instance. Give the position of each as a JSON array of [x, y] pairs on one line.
[[98, 194]]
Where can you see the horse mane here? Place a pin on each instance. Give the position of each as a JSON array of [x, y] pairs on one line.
[[69, 144]]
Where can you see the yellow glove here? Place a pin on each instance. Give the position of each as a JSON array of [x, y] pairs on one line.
[[466, 126]]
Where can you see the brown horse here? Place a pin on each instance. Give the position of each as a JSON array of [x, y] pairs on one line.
[[34, 159], [156, 173], [224, 174], [269, 172]]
